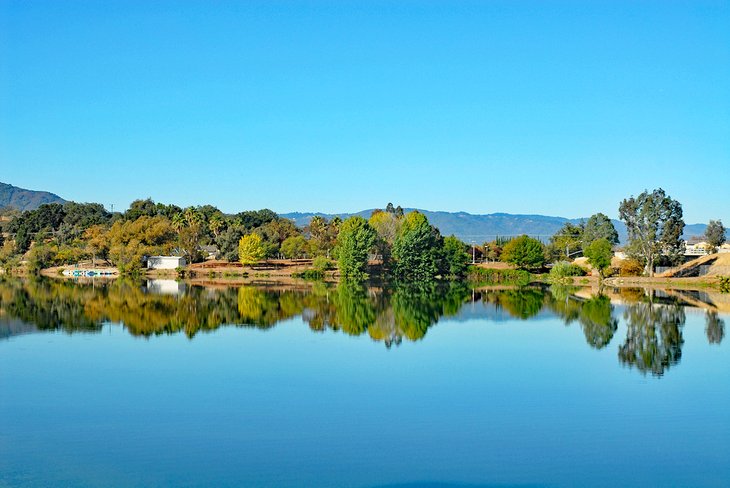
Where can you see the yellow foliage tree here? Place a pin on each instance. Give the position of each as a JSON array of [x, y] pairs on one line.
[[251, 249]]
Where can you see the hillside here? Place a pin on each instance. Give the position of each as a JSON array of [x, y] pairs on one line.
[[485, 227], [22, 199], [468, 227]]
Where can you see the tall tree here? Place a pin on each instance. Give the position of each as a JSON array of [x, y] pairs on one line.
[[216, 223], [322, 236], [418, 249], [599, 226], [715, 234], [457, 258], [354, 242], [654, 223], [386, 225]]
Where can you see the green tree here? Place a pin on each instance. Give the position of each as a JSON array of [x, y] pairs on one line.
[[599, 254], [178, 221], [84, 215], [599, 226], [228, 241], [294, 247], [715, 234], [654, 223], [354, 242], [216, 223], [524, 252], [251, 249], [457, 258], [386, 226], [418, 249], [322, 236], [41, 256], [141, 208], [566, 242]]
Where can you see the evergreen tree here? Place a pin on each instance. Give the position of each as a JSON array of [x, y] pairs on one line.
[[354, 241], [418, 249]]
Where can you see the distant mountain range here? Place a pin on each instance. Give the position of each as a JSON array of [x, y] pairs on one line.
[[486, 227], [467, 227], [22, 199]]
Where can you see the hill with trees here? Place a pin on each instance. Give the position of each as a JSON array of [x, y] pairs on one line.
[[486, 227], [22, 199]]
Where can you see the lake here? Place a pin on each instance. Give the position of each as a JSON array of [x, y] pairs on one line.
[[160, 383]]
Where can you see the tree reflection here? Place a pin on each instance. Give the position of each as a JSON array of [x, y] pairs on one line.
[[597, 320], [386, 314], [389, 314], [653, 338], [715, 327]]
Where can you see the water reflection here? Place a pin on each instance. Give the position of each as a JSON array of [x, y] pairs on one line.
[[654, 321], [715, 328], [653, 338]]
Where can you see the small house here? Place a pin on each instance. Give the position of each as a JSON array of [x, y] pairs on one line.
[[165, 262], [695, 248]]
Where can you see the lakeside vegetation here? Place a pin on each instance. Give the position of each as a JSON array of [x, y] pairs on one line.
[[392, 244]]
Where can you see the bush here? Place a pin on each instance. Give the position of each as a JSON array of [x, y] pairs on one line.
[[630, 267], [488, 276], [564, 269], [321, 263]]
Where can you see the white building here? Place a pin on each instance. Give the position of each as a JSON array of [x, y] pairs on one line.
[[703, 248], [696, 248], [165, 262]]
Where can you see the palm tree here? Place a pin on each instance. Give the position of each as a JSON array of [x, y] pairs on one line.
[[215, 224], [192, 216], [178, 222]]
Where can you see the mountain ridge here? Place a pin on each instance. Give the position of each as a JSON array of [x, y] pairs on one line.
[[466, 226], [481, 228], [23, 199]]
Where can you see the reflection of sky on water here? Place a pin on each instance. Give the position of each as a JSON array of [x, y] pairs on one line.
[[476, 401]]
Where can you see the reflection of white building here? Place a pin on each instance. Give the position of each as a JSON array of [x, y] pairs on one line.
[[165, 287], [165, 262]]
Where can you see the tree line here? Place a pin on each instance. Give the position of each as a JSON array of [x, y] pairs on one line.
[[406, 246]]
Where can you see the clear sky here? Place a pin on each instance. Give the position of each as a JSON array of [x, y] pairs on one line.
[[558, 108]]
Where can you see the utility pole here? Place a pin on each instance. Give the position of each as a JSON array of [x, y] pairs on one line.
[[473, 253]]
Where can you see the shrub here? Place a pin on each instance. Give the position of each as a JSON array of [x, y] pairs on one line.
[[630, 267], [321, 263], [564, 269]]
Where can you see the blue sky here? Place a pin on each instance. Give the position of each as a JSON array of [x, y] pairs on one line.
[[558, 108]]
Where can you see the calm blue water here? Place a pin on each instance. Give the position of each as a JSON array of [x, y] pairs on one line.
[[484, 398]]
